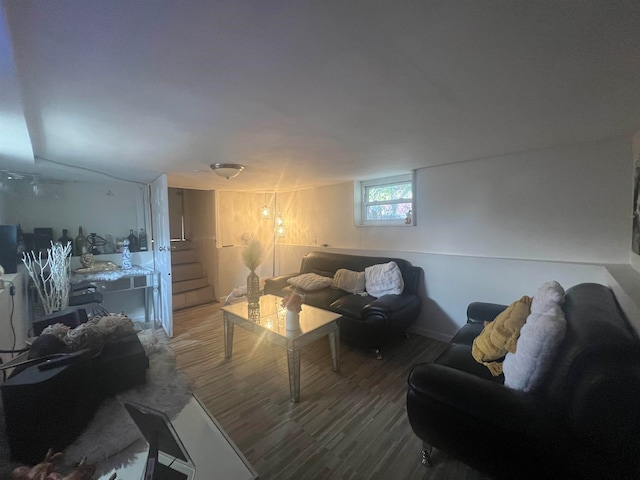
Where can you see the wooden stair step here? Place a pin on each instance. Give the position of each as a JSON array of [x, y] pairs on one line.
[[183, 286], [180, 245], [186, 271], [191, 298], [179, 257]]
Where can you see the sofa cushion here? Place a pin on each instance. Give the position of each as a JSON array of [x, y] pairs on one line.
[[458, 356], [317, 298], [500, 336], [467, 334], [328, 263], [383, 279], [349, 281], [351, 305], [539, 339], [310, 281]]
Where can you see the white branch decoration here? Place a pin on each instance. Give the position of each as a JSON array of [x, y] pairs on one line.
[[51, 277]]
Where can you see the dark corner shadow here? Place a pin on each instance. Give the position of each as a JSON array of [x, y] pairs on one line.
[[433, 313]]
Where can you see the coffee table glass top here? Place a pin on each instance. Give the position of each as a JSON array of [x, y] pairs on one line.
[[270, 315]]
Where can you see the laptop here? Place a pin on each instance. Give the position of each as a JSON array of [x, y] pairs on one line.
[[167, 458]]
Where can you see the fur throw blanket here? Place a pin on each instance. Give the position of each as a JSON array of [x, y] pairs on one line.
[[60, 338]]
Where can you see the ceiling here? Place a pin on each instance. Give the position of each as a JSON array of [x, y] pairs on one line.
[[306, 93]]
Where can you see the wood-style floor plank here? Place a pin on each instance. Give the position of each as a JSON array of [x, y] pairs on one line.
[[348, 425]]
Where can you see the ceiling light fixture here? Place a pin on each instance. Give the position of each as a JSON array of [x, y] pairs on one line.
[[227, 170]]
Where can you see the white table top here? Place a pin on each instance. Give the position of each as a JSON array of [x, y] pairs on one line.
[[212, 452]]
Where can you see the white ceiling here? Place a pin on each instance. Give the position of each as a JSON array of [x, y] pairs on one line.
[[307, 93]]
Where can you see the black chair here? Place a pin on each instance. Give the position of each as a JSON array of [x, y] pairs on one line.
[[85, 295], [71, 317], [65, 385]]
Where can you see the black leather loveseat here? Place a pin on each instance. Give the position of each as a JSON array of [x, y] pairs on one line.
[[583, 421], [366, 321]]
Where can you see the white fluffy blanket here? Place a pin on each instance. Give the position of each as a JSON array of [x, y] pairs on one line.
[[539, 339]]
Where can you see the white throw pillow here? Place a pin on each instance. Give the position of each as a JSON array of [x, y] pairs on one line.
[[539, 339], [310, 281], [383, 279], [349, 281]]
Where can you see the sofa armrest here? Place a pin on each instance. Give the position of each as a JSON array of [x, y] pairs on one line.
[[487, 425], [274, 285], [389, 303], [483, 403], [480, 312]]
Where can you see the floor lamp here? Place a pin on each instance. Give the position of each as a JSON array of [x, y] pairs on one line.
[[278, 230]]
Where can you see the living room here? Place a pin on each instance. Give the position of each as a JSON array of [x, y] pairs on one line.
[[524, 160]]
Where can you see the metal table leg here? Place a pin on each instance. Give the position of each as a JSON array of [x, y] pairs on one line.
[[293, 360], [334, 344], [228, 335]]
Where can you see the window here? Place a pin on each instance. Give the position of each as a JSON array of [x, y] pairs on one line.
[[386, 202]]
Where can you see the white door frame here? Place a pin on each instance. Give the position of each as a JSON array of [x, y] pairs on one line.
[[162, 248]]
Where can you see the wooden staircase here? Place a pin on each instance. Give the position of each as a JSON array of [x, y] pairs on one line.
[[189, 281]]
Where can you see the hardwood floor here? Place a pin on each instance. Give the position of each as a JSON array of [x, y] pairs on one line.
[[348, 425]]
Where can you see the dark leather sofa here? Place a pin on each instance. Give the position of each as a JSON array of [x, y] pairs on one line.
[[582, 422], [366, 321]]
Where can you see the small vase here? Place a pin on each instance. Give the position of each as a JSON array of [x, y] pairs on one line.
[[253, 289], [126, 255], [293, 320]]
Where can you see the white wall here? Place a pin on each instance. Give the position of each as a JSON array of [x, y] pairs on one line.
[[487, 230], [13, 313], [563, 204]]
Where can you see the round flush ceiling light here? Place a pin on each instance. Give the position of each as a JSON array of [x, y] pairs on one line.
[[227, 170]]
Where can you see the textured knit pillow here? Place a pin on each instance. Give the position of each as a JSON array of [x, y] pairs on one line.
[[349, 281], [383, 279], [539, 340], [310, 281], [500, 336]]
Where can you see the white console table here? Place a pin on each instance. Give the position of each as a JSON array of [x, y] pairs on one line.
[[119, 280]]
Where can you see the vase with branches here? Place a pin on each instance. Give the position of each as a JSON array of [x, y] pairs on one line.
[[252, 257]]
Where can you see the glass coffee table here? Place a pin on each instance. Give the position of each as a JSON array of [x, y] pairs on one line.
[[268, 320]]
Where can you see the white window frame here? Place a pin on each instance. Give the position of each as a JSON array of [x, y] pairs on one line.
[[360, 204]]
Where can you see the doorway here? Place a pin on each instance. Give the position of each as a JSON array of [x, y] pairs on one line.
[[193, 259]]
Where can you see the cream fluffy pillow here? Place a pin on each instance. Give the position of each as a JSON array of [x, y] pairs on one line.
[[349, 281], [310, 281], [383, 279], [539, 340]]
